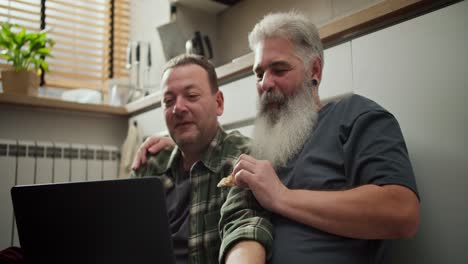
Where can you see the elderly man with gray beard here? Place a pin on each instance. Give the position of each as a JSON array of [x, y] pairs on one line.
[[336, 177]]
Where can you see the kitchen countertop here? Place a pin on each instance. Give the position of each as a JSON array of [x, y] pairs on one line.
[[377, 16]]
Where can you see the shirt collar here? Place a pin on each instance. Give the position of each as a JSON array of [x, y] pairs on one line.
[[211, 158]]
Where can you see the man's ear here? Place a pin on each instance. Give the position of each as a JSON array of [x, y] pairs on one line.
[[219, 103], [315, 69]]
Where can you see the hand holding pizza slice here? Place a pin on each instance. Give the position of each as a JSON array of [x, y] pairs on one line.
[[226, 182]]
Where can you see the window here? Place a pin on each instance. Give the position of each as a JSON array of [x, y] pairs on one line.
[[24, 13], [90, 35]]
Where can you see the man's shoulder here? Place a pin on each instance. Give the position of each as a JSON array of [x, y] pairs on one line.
[[355, 105], [156, 164], [235, 141], [162, 156]]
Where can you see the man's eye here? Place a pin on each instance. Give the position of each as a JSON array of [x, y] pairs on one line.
[[280, 71], [259, 76], [193, 96], [167, 103]]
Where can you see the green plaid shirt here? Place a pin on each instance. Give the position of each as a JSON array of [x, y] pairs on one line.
[[206, 199]]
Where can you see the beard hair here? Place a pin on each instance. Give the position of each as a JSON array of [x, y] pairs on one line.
[[279, 134]]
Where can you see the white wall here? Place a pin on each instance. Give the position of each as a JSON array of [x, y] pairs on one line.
[[145, 17], [57, 125], [419, 71]]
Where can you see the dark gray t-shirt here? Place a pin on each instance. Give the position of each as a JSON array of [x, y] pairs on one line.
[[355, 142], [178, 204]]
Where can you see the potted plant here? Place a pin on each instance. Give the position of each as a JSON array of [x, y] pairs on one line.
[[26, 52]]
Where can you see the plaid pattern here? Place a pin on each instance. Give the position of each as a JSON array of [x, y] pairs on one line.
[[206, 199], [242, 218]]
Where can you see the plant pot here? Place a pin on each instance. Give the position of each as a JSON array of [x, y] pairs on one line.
[[21, 82]]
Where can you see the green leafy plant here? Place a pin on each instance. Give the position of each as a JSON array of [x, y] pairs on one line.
[[23, 49]]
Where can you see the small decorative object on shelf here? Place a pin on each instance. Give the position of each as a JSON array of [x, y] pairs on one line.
[[26, 53]]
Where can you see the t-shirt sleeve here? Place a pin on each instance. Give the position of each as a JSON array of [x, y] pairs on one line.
[[376, 153]]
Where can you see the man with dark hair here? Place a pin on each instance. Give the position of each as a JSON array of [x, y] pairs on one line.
[[203, 154]]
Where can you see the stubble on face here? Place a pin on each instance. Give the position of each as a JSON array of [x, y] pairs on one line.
[[185, 133]]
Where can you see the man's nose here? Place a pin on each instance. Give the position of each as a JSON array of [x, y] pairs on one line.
[[267, 83], [180, 106]]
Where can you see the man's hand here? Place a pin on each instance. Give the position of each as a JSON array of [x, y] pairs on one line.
[[261, 178], [152, 145]]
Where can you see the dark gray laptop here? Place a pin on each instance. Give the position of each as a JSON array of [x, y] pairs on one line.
[[106, 222]]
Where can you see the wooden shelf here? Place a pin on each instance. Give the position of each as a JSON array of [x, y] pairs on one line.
[[51, 103], [380, 15], [209, 6], [144, 104]]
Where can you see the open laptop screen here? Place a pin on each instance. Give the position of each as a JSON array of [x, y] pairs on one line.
[[116, 221]]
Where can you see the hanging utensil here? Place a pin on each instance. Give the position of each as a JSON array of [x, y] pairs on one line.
[[128, 64], [148, 69], [137, 64]]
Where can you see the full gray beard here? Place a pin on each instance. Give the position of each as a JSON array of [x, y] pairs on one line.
[[280, 134]]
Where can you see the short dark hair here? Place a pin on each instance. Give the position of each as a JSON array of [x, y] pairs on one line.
[[188, 59]]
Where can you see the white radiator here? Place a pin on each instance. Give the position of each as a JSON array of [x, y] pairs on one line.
[[36, 162]]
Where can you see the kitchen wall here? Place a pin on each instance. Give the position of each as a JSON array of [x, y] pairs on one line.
[[237, 21], [229, 37], [145, 17], [28, 123], [419, 71]]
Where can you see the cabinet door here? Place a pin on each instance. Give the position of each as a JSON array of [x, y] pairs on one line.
[[240, 99], [150, 123]]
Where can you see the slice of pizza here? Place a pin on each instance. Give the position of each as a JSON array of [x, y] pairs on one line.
[[226, 182]]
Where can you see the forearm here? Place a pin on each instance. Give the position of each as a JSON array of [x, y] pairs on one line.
[[250, 252], [365, 212], [243, 219]]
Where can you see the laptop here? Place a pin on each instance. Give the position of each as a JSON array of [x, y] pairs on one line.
[[106, 222]]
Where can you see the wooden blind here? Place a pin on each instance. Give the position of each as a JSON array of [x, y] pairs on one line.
[[90, 35], [121, 37], [25, 13], [80, 29]]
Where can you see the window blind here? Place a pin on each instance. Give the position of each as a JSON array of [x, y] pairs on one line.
[[90, 35], [80, 29], [25, 13], [121, 37]]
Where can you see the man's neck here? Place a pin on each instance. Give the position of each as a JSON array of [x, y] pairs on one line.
[[193, 153], [189, 160], [190, 156]]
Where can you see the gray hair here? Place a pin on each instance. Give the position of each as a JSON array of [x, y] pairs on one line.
[[293, 26]]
